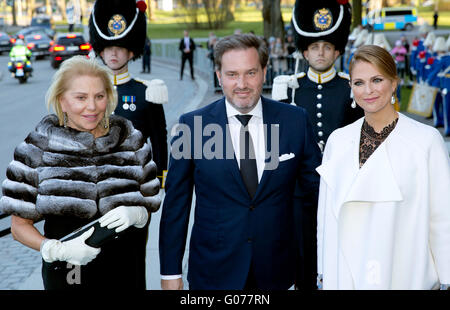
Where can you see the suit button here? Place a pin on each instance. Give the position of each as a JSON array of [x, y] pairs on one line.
[[320, 133], [252, 207], [319, 115], [319, 106], [319, 124], [319, 86], [319, 96]]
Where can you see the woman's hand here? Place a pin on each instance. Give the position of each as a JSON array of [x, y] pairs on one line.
[[123, 217], [74, 251]]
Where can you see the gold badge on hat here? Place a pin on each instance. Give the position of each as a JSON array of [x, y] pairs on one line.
[[323, 19], [117, 24]]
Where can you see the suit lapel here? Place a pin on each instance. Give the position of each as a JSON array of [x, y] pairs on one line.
[[219, 116], [270, 114]]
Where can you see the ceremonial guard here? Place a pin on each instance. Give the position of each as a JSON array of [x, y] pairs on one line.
[[118, 29], [417, 47], [435, 78], [321, 32]]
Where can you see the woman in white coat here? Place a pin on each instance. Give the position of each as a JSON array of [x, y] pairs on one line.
[[384, 203]]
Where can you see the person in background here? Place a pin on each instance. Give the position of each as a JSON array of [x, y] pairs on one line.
[[435, 19], [147, 56], [187, 48], [383, 192], [77, 166]]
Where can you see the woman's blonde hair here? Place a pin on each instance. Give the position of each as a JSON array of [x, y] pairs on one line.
[[74, 67]]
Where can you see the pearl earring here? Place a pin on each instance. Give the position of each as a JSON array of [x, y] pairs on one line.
[[353, 105], [393, 99]]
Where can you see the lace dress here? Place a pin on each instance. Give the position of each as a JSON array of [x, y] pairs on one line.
[[371, 140]]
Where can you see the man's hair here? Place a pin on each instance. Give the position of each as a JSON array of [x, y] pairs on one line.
[[75, 67], [240, 42]]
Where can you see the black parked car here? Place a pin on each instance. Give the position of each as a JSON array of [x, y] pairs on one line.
[[5, 42], [39, 44], [66, 46], [21, 34]]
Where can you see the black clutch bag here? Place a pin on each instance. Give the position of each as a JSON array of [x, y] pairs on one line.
[[99, 237]]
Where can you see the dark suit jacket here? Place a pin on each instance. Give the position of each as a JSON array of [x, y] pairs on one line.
[[182, 46], [230, 229]]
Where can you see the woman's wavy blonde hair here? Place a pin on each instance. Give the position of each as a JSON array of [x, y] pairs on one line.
[[74, 67]]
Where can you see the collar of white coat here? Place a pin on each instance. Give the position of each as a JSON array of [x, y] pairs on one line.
[[121, 78], [321, 77], [373, 182]]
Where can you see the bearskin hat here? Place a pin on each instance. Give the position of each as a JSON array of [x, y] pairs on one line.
[[327, 20], [118, 23]]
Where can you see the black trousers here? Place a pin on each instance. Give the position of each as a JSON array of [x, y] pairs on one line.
[[189, 57], [146, 63], [250, 284], [306, 242]]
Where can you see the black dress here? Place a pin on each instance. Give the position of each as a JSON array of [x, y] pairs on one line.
[[119, 265]]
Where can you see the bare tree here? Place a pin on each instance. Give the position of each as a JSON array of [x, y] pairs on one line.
[[273, 20], [357, 13], [218, 12], [48, 8]]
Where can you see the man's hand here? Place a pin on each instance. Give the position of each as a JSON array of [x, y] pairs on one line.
[[176, 284]]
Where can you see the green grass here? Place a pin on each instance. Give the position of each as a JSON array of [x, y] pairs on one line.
[[172, 24], [168, 25], [405, 94]]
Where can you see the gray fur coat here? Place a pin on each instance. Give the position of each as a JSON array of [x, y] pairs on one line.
[[61, 171]]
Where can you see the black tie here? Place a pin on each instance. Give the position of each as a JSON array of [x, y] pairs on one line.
[[249, 172]]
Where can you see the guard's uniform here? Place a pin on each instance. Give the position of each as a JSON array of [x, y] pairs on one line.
[[148, 117], [326, 98]]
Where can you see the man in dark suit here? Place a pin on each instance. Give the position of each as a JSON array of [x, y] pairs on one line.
[[187, 47], [243, 154]]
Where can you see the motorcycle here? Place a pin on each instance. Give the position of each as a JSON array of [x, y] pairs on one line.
[[20, 69]]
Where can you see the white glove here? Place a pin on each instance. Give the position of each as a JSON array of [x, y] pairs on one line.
[[123, 217], [74, 251]]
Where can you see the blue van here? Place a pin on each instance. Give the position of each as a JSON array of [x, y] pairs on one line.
[[402, 18]]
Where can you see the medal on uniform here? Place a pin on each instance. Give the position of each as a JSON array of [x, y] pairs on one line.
[[132, 105], [125, 105]]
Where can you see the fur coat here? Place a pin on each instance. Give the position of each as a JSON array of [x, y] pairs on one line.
[[62, 171]]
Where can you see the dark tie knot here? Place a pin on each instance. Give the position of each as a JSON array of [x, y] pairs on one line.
[[244, 119]]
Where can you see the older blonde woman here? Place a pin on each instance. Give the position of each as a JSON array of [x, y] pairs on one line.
[[77, 166]]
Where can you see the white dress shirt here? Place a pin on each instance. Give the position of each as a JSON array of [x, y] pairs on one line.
[[187, 45], [256, 130]]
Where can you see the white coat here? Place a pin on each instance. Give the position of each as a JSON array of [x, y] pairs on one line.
[[386, 225]]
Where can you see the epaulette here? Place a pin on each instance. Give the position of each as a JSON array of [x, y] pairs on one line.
[[300, 75], [344, 75], [156, 91]]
